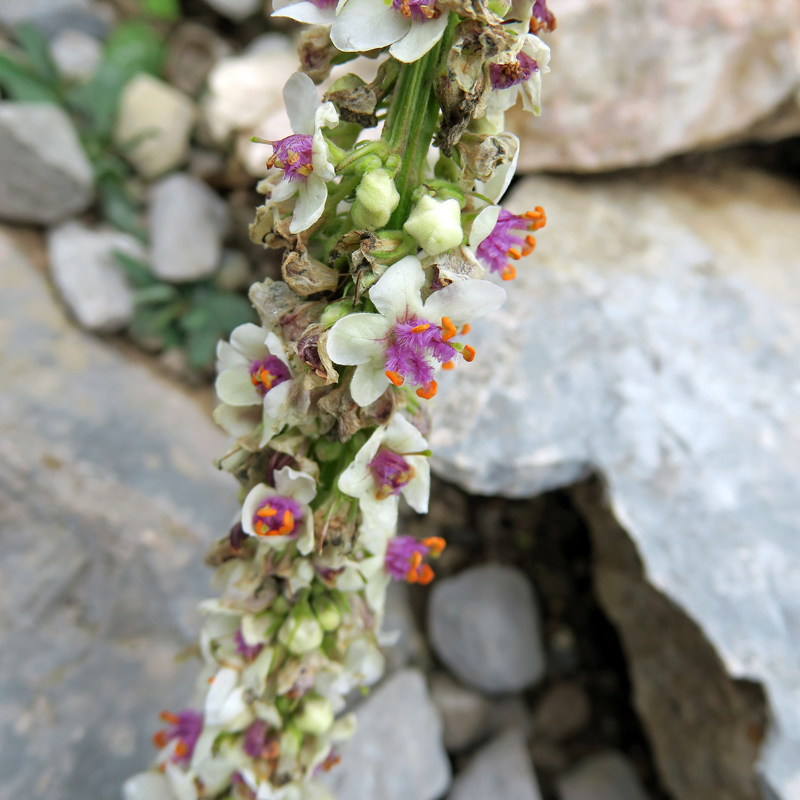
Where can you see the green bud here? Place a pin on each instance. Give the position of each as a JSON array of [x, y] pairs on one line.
[[300, 632], [327, 612], [328, 450], [376, 198], [315, 716], [335, 311], [435, 224], [446, 169]]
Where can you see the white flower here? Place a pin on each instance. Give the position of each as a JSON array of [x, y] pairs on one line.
[[304, 156], [411, 27], [173, 784], [314, 12], [279, 515], [497, 185], [400, 342], [253, 373], [435, 224], [390, 464], [519, 70], [225, 704]]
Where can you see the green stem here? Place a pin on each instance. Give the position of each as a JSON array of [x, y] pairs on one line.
[[412, 119]]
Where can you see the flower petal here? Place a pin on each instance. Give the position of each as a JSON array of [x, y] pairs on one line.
[[305, 540], [402, 437], [396, 293], [417, 491], [464, 301], [249, 340], [421, 38], [275, 400], [326, 116], [311, 197], [369, 383], [275, 346], [358, 338], [235, 387], [251, 503], [320, 158], [483, 225], [356, 480], [364, 25], [496, 186], [181, 783], [298, 485], [304, 11], [237, 420], [301, 100], [228, 355], [147, 786], [284, 190]]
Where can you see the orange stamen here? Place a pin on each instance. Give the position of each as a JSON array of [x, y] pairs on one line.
[[168, 716], [531, 242], [160, 739], [468, 353], [448, 365], [427, 393], [466, 329], [436, 545], [509, 272], [287, 526], [515, 254], [181, 748], [425, 575], [449, 330], [415, 562], [330, 762], [397, 380], [420, 328], [267, 511]]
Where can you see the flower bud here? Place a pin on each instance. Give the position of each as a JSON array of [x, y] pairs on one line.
[[327, 612], [315, 716], [435, 224], [376, 198], [301, 632], [335, 311]]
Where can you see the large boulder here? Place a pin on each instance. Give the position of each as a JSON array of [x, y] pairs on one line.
[[634, 82], [108, 501], [653, 339]]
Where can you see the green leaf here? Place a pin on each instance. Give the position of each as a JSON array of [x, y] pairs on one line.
[[151, 326], [137, 271], [119, 208], [201, 348], [134, 47], [37, 48], [162, 9], [156, 294], [19, 84]]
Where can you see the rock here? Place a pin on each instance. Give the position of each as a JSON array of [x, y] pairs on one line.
[[608, 776], [657, 350], [564, 711], [484, 625], [501, 769], [396, 752], [88, 277], [153, 125], [76, 54], [634, 99], [46, 176], [15, 12], [237, 10], [187, 223], [192, 50], [465, 713], [108, 501], [408, 647]]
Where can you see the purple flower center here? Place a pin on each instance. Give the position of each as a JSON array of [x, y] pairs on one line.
[[293, 156], [404, 558], [542, 18], [249, 651], [495, 249], [391, 473], [184, 728], [323, 4], [504, 76], [257, 744], [267, 373], [417, 10], [277, 516], [412, 343]]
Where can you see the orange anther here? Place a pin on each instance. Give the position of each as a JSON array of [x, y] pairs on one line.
[[436, 545], [396, 379], [330, 762], [540, 223], [425, 575], [531, 242], [287, 526], [415, 562], [515, 254], [448, 365], [420, 328], [532, 214], [449, 330], [468, 353], [427, 392], [467, 328], [160, 739], [267, 511], [181, 748], [168, 716], [509, 272]]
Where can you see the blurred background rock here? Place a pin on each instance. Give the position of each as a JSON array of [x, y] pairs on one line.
[[624, 622]]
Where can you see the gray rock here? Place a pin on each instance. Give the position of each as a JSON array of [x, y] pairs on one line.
[[15, 12], [658, 349], [76, 54], [108, 500], [237, 10], [187, 224], [608, 776], [629, 102], [46, 176], [484, 625], [465, 713], [88, 277], [501, 769], [564, 711], [397, 752], [408, 649]]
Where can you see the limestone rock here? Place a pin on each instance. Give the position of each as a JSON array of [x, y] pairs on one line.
[[408, 645], [397, 752], [89, 279], [108, 501], [465, 713], [607, 776], [633, 82], [46, 176], [564, 711], [192, 50], [652, 339], [187, 224], [15, 12], [484, 625], [237, 10], [76, 54], [501, 769], [153, 125]]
